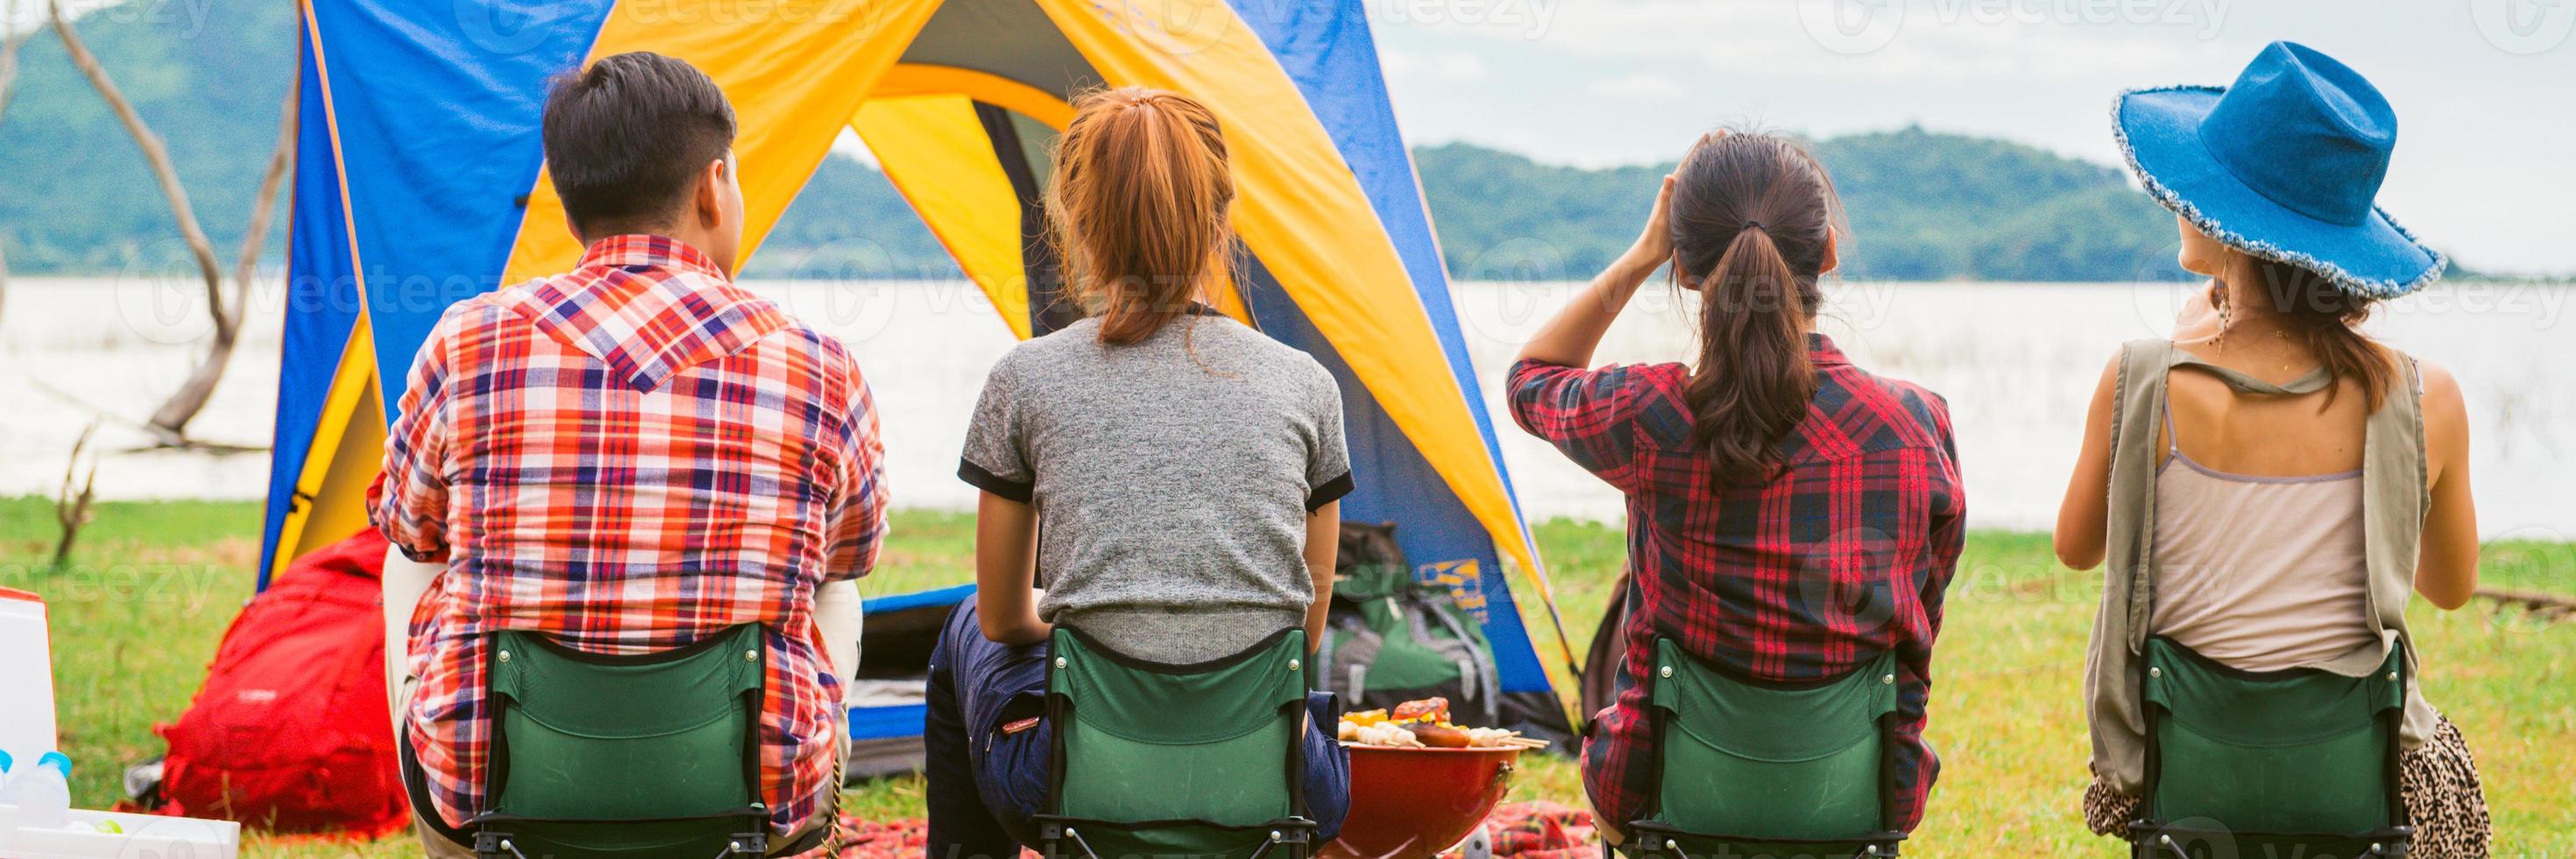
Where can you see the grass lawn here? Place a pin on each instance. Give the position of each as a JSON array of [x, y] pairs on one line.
[[153, 586]]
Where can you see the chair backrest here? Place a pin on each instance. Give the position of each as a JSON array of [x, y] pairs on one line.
[[2281, 752], [1205, 753], [1738, 757], [648, 755]]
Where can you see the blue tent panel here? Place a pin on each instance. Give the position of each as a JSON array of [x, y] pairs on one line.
[[1392, 482], [1327, 49], [322, 305], [443, 147], [887, 723], [947, 596]]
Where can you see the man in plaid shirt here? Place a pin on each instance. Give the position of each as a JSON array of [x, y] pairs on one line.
[[637, 454]]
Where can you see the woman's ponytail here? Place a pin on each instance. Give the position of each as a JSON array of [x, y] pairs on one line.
[[1138, 209], [1754, 378], [1752, 219]]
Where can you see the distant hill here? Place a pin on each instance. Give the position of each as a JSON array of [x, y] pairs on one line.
[[76, 197], [1923, 206]]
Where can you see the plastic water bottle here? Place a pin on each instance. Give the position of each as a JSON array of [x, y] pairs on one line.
[[43, 794]]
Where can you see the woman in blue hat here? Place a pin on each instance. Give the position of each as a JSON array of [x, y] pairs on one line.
[[2270, 484]]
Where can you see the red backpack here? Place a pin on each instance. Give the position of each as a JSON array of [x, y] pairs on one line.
[[291, 732]]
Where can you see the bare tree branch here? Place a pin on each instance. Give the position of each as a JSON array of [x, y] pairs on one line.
[[154, 153], [72, 510], [169, 423]]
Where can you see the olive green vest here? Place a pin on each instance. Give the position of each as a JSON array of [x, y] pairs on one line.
[[2395, 495]]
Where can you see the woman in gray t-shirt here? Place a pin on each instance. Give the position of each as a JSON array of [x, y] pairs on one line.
[[1159, 476], [1185, 480]]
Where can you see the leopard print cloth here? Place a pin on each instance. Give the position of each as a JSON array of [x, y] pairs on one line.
[[2438, 781]]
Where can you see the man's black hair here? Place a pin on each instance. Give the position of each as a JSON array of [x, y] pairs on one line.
[[625, 140]]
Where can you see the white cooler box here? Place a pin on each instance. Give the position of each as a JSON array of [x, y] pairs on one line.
[[27, 732], [26, 678], [144, 837]]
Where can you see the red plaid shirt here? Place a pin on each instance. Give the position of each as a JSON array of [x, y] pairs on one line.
[[628, 458], [1841, 558]]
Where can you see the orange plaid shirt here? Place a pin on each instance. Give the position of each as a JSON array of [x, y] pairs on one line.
[[628, 458]]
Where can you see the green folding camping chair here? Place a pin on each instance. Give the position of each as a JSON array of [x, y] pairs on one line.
[[1753, 768], [616, 757], [2298, 762], [1204, 760]]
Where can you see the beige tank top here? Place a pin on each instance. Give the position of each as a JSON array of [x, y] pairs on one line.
[[2395, 496], [2259, 573]]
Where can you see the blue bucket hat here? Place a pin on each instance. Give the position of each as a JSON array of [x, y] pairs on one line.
[[2282, 165]]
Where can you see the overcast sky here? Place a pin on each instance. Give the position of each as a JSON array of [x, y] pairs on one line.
[[2485, 90]]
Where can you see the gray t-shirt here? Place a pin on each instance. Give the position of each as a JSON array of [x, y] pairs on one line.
[[1172, 479]]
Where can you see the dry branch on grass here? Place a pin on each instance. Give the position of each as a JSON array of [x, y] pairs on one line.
[[169, 423], [2541, 604], [72, 510]]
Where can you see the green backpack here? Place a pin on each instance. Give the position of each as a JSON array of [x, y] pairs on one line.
[[1397, 635]]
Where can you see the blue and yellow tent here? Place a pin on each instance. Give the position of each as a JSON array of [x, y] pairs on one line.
[[418, 183]]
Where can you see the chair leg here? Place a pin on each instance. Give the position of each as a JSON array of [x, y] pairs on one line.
[[1051, 839], [495, 845], [1292, 842], [752, 844]]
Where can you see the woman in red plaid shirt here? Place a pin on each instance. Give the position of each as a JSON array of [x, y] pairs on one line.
[[1791, 517]]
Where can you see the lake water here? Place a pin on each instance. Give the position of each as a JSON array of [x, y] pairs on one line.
[[2018, 363]]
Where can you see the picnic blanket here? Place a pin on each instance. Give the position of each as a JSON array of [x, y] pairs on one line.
[[1538, 830]]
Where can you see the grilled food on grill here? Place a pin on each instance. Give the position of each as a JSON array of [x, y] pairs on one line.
[[1424, 724]]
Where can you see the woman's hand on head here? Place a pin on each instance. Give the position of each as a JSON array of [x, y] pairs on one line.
[[1654, 245]]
